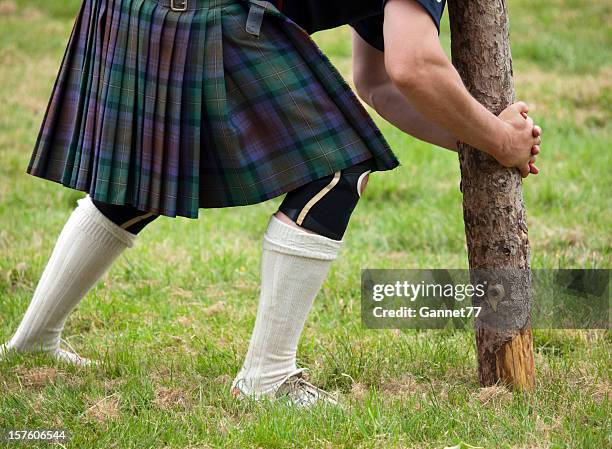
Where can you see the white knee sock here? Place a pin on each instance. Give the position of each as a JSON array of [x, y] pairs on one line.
[[293, 268], [86, 247]]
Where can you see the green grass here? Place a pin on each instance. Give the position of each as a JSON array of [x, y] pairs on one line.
[[173, 316]]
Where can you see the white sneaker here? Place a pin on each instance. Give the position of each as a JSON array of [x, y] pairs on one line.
[[71, 357], [293, 388]]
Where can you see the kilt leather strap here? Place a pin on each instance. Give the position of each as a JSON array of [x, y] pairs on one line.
[[256, 15], [255, 19]]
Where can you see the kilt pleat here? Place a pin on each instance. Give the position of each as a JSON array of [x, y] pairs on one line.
[[77, 157], [190, 135], [121, 124], [160, 81], [91, 77], [127, 107], [174, 111], [109, 157], [73, 149], [139, 159]]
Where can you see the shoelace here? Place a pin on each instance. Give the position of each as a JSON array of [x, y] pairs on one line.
[[76, 354], [64, 341], [300, 384]]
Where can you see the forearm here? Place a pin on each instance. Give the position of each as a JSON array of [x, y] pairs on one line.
[[392, 105], [439, 94]]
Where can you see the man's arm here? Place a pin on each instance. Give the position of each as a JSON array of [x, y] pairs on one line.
[[417, 66], [374, 86]]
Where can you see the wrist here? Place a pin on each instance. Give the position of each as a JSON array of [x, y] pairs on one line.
[[499, 138]]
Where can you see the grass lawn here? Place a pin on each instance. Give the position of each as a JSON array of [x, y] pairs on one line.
[[172, 318]]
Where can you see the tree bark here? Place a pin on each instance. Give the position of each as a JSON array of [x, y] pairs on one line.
[[493, 207]]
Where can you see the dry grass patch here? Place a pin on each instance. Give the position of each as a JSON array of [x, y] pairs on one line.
[[224, 379], [36, 377], [17, 276], [167, 398], [111, 385], [404, 387], [186, 321], [8, 8], [534, 446], [103, 409], [199, 446], [602, 392], [214, 309], [178, 292], [74, 381], [545, 427], [359, 391], [496, 393]]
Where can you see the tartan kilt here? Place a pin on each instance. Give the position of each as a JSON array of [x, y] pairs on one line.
[[171, 111]]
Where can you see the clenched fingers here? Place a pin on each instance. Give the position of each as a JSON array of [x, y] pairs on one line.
[[525, 170], [537, 131]]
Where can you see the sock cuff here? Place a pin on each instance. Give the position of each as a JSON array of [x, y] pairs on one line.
[[97, 224], [286, 239]]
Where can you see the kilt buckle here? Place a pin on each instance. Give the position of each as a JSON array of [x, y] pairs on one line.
[[178, 5]]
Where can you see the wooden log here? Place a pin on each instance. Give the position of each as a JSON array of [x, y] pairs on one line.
[[494, 211]]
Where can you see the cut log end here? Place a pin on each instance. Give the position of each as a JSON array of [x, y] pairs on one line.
[[511, 365]]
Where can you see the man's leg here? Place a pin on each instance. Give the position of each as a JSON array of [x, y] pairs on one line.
[[92, 238], [301, 241]]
